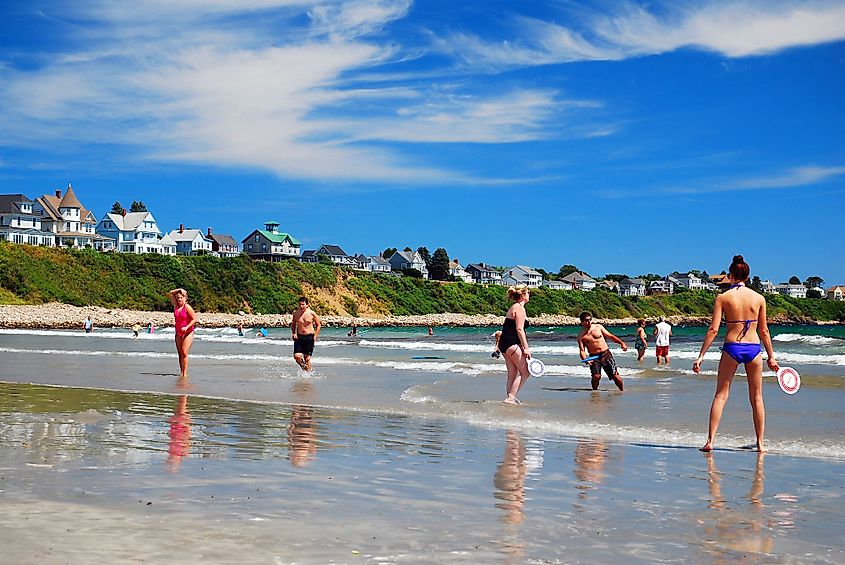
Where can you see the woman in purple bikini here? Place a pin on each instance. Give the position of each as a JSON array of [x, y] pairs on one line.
[[743, 308]]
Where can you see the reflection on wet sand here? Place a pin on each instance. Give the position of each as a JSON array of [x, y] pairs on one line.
[[509, 483], [590, 458], [180, 433], [302, 436], [737, 527]]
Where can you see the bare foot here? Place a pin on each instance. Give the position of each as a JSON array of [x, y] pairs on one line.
[[707, 447], [761, 449], [510, 400]]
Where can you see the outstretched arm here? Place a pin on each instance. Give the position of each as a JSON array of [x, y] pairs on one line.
[[712, 331], [610, 336]]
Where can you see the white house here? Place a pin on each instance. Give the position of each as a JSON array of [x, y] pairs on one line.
[[767, 286], [483, 274], [666, 285], [557, 285], [691, 281], [372, 263], [459, 272], [270, 244], [836, 293], [190, 241], [579, 281], [609, 285], [632, 287], [408, 260], [19, 223], [67, 218], [168, 246], [520, 274], [131, 232], [793, 290]]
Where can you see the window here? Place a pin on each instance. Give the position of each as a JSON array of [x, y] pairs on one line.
[[249, 246], [264, 247], [256, 237]]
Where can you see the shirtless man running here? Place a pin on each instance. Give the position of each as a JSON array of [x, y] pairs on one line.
[[304, 328], [591, 341]]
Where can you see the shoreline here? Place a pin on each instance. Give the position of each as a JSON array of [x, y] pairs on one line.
[[64, 316]]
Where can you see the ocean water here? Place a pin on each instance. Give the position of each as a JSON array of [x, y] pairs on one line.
[[452, 375], [397, 449]]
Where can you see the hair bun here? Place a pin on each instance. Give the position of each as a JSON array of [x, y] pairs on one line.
[[738, 259]]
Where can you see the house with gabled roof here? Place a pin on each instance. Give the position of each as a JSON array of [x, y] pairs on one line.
[[372, 263], [223, 245], [792, 290], [666, 285], [334, 252], [130, 232], [20, 223], [190, 241], [836, 293], [483, 274], [691, 281], [270, 244], [521, 274], [556, 285], [579, 281], [632, 287], [455, 270], [65, 216], [408, 260]]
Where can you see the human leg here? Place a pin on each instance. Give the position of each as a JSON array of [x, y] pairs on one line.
[[612, 371], [184, 347], [754, 370], [519, 364], [727, 369]]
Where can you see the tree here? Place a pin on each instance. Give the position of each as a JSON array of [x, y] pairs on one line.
[[566, 270], [425, 256], [794, 280], [388, 253], [138, 206], [407, 249], [813, 282], [117, 208], [756, 284], [615, 277], [439, 269], [813, 293], [413, 273]]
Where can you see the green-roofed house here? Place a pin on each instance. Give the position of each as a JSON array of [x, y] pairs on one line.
[[270, 244]]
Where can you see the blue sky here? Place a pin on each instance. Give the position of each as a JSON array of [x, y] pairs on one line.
[[621, 137]]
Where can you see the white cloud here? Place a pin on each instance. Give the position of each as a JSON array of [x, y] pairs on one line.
[[624, 30], [209, 83]]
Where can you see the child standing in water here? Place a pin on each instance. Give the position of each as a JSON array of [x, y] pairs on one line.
[[184, 320]]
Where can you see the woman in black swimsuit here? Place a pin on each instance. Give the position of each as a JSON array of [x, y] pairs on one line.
[[513, 343]]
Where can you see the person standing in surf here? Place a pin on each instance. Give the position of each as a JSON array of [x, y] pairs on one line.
[[304, 328], [184, 321], [663, 331], [641, 343], [514, 344], [592, 341], [745, 317]]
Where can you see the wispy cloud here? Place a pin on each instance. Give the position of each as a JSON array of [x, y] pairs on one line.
[[628, 29], [266, 84], [797, 177]]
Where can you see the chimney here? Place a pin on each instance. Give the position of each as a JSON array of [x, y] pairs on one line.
[[123, 212], [181, 228], [58, 193], [209, 232]]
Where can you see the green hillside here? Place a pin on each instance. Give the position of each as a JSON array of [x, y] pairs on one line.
[[35, 275]]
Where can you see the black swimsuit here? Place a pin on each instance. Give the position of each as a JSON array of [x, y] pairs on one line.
[[509, 336]]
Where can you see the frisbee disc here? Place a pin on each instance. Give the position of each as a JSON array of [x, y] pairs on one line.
[[590, 358], [789, 380], [536, 367]]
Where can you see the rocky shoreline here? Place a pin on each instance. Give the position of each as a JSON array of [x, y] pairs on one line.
[[65, 316]]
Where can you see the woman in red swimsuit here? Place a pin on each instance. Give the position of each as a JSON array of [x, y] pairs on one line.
[[184, 320]]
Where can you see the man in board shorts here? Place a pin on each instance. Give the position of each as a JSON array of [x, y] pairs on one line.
[[305, 328], [663, 331], [592, 341]]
